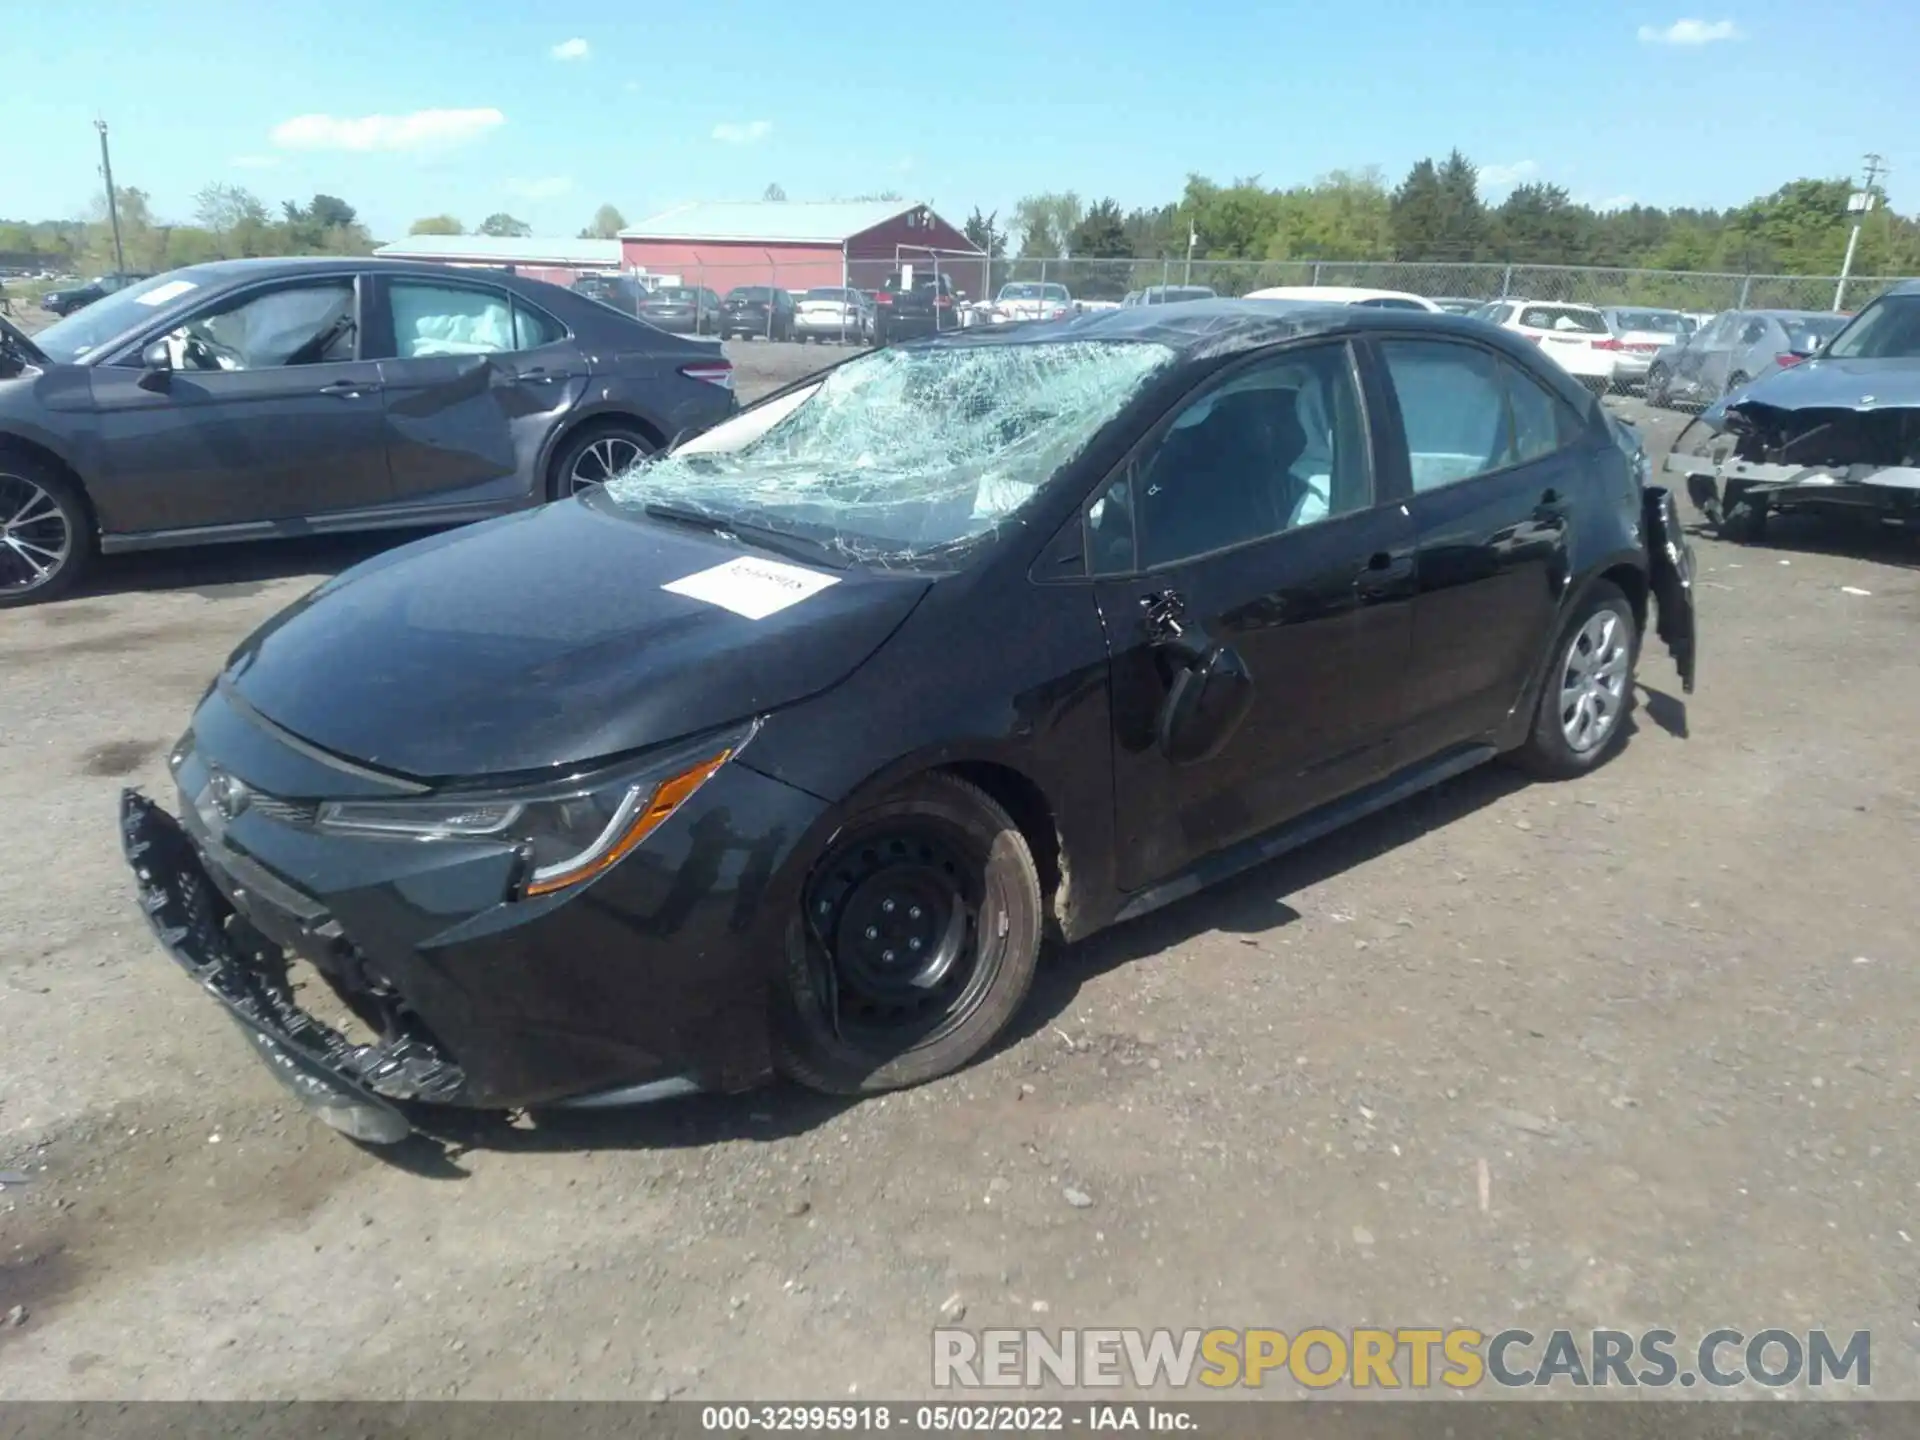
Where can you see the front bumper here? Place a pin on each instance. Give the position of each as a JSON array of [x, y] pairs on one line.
[[657, 971], [1715, 484]]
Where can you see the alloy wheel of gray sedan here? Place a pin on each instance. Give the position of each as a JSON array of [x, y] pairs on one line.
[[599, 462], [1593, 688], [35, 538]]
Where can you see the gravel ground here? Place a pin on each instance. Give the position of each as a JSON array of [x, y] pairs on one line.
[[1634, 1051]]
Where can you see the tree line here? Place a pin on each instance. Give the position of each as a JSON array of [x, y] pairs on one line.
[[1438, 214]]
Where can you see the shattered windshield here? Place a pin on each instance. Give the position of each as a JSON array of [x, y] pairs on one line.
[[903, 453], [1888, 329]]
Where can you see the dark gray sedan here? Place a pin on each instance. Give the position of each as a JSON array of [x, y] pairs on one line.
[[248, 399]]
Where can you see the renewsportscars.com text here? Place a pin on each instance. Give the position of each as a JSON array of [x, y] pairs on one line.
[[1411, 1358]]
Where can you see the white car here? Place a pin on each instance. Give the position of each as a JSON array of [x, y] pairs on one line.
[[1029, 300], [1345, 295], [1577, 336], [833, 312]]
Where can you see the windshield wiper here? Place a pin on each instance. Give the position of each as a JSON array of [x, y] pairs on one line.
[[766, 537]]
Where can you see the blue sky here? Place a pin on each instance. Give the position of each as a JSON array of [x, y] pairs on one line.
[[414, 107]]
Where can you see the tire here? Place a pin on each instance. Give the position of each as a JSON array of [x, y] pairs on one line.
[[846, 1022], [1742, 517], [1656, 388], [1735, 381], [1550, 751], [593, 454], [46, 531]]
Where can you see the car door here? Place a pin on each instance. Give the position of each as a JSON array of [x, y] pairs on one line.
[[1246, 547], [270, 412], [1760, 339], [476, 377], [1490, 505]]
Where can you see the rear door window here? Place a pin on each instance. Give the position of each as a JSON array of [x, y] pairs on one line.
[[1453, 410], [431, 319]]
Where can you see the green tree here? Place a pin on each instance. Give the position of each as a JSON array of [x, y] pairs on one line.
[[983, 234], [503, 225], [1045, 223], [1538, 224], [607, 224], [436, 225]]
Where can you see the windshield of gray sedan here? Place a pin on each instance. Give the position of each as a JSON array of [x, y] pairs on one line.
[[904, 452], [107, 319]]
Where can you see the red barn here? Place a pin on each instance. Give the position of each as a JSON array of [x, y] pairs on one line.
[[798, 244]]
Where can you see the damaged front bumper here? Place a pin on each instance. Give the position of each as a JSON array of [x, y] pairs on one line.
[[1802, 438], [351, 1087]]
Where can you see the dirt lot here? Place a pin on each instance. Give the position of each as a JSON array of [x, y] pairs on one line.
[[1634, 1051]]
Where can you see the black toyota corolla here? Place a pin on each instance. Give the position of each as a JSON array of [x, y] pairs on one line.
[[786, 751]]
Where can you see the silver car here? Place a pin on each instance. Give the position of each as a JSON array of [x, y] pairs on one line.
[[1642, 333], [1735, 347]]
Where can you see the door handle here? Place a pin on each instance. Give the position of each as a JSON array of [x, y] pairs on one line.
[[1383, 572], [347, 389], [540, 372]]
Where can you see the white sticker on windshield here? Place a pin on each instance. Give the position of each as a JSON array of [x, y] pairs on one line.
[[172, 290], [752, 587]]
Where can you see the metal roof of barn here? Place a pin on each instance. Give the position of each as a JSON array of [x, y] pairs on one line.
[[505, 250], [774, 222]]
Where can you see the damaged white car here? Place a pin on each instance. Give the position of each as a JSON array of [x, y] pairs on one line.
[[1840, 430]]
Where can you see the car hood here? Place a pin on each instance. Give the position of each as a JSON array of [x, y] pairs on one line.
[[546, 639], [1829, 385]]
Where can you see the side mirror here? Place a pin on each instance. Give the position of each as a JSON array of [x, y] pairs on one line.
[[156, 361], [1209, 700]]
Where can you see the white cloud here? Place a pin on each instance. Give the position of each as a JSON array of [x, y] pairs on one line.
[[574, 49], [1612, 202], [1505, 177], [548, 187], [631, 86], [255, 162], [418, 130], [1689, 32], [742, 132]]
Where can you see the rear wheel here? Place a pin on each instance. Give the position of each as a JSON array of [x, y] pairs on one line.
[[1583, 704], [594, 455], [46, 537], [916, 943], [1656, 389]]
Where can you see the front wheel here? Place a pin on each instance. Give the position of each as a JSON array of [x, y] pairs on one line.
[[45, 536], [1656, 387], [1583, 704], [916, 942]]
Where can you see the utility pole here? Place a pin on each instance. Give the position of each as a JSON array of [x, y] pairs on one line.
[[1860, 203], [113, 203]]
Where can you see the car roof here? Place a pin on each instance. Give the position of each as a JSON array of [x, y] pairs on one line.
[[1332, 294], [1204, 329]]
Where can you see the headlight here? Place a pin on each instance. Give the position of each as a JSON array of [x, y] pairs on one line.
[[569, 831]]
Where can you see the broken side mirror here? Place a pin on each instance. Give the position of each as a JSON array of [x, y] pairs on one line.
[[1206, 705]]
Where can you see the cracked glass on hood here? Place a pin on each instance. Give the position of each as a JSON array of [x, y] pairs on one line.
[[903, 453]]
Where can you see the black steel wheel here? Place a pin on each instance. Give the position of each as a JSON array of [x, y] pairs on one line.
[[916, 943]]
